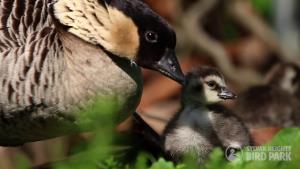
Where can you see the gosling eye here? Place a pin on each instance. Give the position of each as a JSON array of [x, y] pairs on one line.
[[151, 37], [212, 84]]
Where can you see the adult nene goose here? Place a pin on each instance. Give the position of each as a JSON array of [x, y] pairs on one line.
[[57, 54]]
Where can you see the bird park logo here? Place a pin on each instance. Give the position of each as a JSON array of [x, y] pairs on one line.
[[259, 153], [232, 153]]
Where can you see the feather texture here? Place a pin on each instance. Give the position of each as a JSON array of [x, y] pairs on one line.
[[43, 75], [98, 24]]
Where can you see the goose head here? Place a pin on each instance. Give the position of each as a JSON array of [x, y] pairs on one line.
[[125, 28]]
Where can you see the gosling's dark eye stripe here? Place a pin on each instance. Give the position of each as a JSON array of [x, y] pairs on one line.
[[217, 88], [212, 84]]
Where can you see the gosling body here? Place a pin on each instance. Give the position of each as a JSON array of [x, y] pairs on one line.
[[274, 104]]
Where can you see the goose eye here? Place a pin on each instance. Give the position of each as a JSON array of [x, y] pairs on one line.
[[151, 37], [211, 84]]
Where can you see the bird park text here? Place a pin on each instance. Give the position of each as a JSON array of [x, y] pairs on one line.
[[264, 153]]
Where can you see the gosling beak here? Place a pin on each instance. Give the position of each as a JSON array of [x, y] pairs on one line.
[[169, 66], [225, 94]]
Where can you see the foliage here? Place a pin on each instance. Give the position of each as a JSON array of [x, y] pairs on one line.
[[161, 163], [101, 153], [287, 137], [22, 162], [264, 7], [99, 147], [110, 163]]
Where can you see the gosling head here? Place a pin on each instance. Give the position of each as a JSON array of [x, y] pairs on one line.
[[206, 85], [125, 28], [286, 76]]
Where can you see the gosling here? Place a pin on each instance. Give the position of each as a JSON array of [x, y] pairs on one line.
[[202, 123], [275, 103]]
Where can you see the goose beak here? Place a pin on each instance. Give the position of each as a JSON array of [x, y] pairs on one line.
[[169, 66], [225, 94]]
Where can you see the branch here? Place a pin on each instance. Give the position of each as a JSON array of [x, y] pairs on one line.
[[243, 12], [202, 40]]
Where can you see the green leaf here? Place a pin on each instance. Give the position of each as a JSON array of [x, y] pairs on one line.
[[22, 162], [163, 164], [264, 7]]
